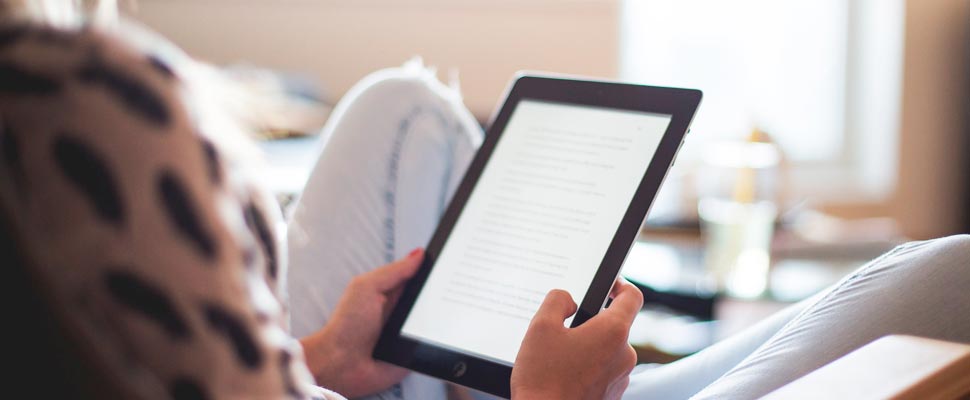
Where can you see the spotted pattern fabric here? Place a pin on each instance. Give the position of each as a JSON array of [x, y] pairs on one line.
[[154, 241]]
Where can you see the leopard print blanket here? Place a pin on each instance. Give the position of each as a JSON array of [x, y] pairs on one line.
[[130, 206]]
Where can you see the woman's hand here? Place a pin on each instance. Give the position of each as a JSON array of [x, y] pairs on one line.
[[592, 361], [339, 355]]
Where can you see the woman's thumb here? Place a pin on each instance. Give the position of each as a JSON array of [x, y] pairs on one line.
[[394, 274], [557, 306]]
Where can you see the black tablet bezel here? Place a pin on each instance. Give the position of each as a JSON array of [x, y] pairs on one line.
[[490, 376]]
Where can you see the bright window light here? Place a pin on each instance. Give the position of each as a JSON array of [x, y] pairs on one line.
[[777, 65]]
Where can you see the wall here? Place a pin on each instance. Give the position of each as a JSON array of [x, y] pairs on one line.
[[933, 179], [340, 41]]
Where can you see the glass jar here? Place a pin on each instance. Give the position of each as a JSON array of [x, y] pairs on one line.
[[737, 187]]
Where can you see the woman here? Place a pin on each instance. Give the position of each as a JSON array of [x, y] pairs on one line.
[[167, 257], [171, 261]]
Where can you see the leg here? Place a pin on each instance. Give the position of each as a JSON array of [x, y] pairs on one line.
[[395, 148], [685, 377], [917, 289], [900, 292]]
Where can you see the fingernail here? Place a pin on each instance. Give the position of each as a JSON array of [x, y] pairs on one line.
[[414, 252]]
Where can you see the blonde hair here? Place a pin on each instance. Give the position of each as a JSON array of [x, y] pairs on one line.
[[63, 13]]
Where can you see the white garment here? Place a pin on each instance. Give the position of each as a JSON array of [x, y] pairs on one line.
[[400, 141], [395, 148]]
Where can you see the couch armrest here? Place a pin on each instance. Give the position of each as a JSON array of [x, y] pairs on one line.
[[897, 367]]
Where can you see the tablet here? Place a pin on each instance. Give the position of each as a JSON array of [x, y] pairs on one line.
[[553, 199]]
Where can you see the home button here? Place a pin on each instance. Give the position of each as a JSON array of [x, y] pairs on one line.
[[459, 369]]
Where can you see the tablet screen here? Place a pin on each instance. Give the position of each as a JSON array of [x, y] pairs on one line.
[[542, 216]]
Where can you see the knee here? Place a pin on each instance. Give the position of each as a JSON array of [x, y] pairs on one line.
[[409, 86], [383, 100], [957, 246], [945, 259]]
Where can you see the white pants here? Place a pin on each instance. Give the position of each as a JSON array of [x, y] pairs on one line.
[[395, 148], [398, 144]]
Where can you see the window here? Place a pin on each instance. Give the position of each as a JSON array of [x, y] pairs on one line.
[[822, 76]]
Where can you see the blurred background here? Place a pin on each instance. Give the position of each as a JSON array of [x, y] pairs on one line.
[[831, 130]]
